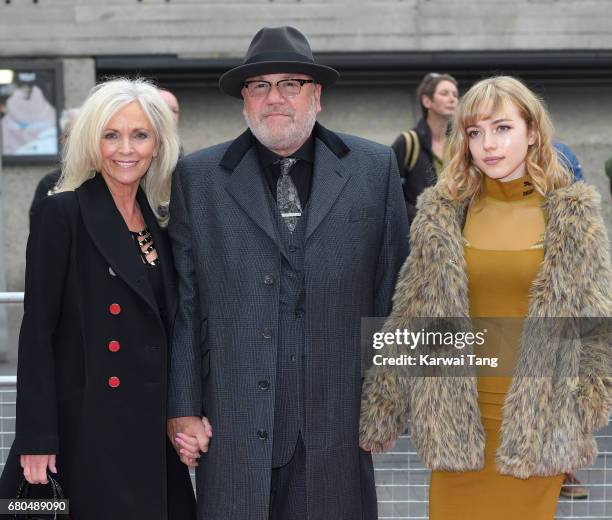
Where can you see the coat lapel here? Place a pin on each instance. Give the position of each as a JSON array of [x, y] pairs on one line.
[[329, 177], [111, 236], [160, 239], [247, 187]]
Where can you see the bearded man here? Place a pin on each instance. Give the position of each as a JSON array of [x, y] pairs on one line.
[[283, 240]]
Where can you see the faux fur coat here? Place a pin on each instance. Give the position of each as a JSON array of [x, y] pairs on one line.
[[547, 421]]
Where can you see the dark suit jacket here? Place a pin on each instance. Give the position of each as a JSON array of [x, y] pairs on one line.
[[45, 184], [110, 442], [228, 258]]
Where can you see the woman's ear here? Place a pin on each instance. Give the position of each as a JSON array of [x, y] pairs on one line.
[[532, 136]]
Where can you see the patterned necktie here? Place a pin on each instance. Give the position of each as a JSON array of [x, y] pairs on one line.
[[287, 198]]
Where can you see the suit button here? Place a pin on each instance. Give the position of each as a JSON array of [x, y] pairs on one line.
[[114, 346], [299, 314], [114, 309], [263, 385], [262, 434], [268, 279], [293, 358], [293, 249], [267, 333], [114, 382]]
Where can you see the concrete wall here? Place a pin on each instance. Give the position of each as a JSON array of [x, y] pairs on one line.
[[213, 28], [77, 31], [19, 181], [378, 113]]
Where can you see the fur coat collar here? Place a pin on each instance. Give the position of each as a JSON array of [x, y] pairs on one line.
[[547, 421]]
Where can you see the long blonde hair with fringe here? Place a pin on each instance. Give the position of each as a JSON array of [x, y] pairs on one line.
[[462, 177], [82, 157]]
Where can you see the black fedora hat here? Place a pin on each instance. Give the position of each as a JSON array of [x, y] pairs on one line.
[[276, 50]]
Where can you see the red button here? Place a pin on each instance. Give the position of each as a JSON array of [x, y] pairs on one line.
[[114, 346], [114, 382], [115, 308]]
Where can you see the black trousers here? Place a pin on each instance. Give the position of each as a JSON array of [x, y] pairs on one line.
[[288, 487]]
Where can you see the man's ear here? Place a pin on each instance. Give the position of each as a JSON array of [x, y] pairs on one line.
[[317, 93]]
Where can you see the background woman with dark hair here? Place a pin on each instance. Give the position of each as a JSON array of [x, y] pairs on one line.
[[419, 152]]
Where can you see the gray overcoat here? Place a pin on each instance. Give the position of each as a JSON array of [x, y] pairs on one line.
[[228, 258]]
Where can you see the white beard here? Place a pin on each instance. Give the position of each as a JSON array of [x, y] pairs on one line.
[[295, 135]]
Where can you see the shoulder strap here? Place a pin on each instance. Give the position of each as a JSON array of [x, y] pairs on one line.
[[413, 149]]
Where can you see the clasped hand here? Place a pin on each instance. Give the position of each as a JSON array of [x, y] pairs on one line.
[[190, 436]]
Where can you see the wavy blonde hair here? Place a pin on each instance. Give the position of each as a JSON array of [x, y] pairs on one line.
[[82, 157], [462, 177]]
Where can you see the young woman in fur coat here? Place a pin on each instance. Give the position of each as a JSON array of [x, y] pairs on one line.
[[504, 234]]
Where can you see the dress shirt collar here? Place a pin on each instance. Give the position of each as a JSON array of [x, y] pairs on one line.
[[267, 157]]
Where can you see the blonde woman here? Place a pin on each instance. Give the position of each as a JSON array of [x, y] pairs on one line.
[[503, 234], [99, 301]]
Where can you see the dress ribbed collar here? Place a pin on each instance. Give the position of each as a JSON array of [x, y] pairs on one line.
[[517, 189]]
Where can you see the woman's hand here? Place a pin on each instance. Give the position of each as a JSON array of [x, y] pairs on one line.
[[190, 436], [35, 467], [377, 450]]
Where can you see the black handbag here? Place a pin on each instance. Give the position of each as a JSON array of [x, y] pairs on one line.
[[57, 493]]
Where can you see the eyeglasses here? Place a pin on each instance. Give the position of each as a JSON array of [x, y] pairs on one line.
[[288, 88]]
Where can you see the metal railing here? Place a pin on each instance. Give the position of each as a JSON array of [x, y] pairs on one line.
[[401, 480], [8, 394], [11, 297], [402, 484]]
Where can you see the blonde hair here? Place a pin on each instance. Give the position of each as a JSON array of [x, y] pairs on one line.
[[82, 152], [464, 179], [67, 120]]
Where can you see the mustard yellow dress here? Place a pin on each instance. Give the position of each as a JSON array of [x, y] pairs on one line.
[[503, 236]]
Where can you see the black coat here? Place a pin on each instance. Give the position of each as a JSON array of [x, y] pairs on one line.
[[423, 174], [46, 184], [82, 266]]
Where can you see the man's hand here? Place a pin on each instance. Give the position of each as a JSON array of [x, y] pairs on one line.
[[189, 436], [35, 467]]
